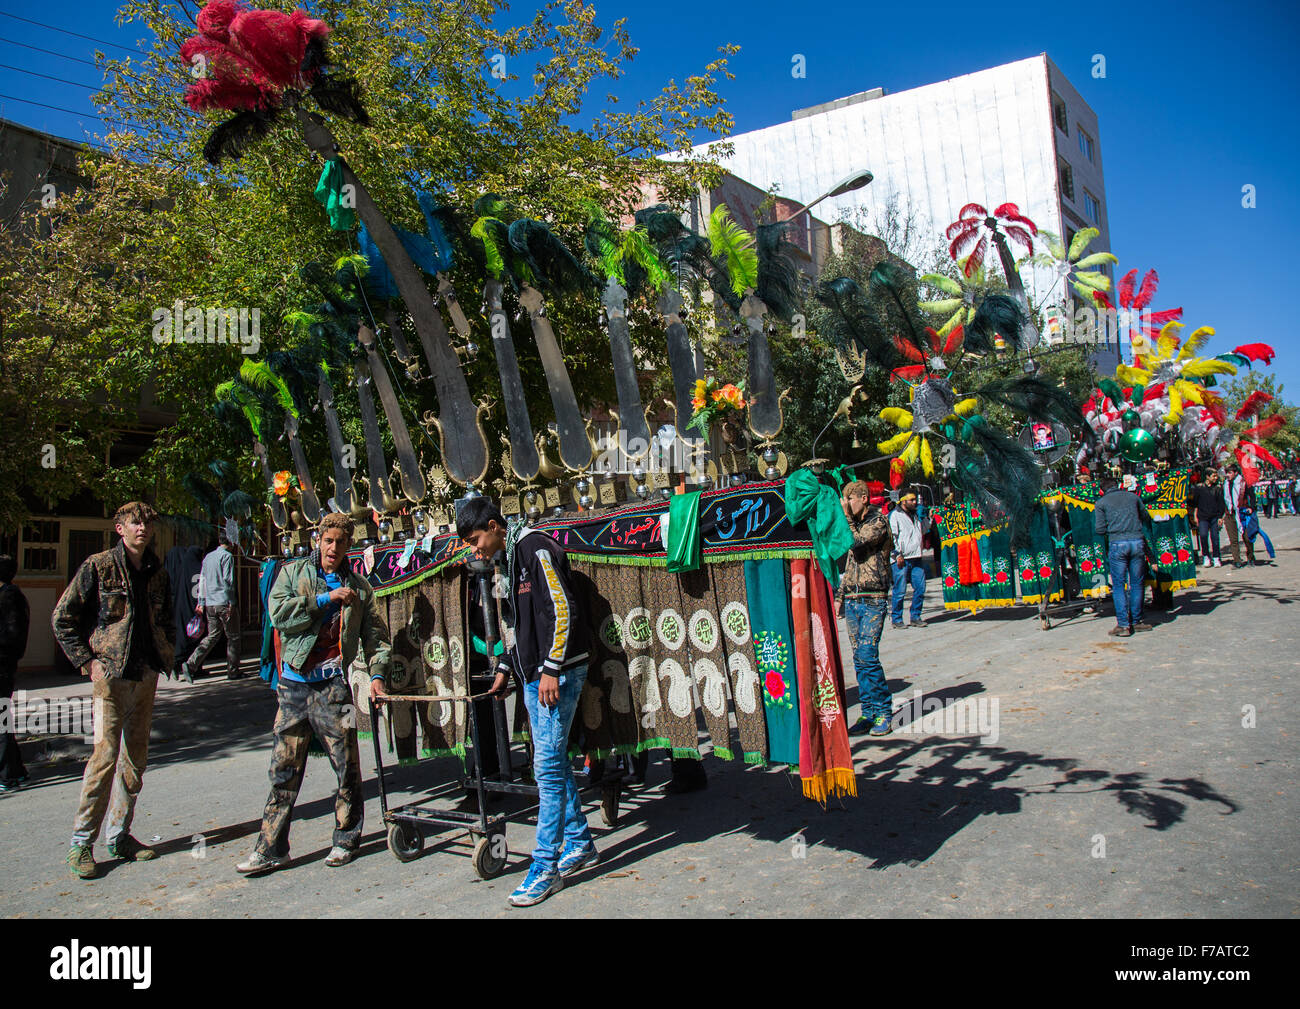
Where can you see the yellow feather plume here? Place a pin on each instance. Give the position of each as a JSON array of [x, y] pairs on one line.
[[1208, 366], [1199, 338], [965, 407], [897, 416], [895, 443], [1125, 375], [927, 458], [1175, 405], [912, 453]]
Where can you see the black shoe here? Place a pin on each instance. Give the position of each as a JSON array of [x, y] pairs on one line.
[[235, 676]]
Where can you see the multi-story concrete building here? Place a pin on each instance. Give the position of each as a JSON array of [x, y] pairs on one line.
[[1017, 133]]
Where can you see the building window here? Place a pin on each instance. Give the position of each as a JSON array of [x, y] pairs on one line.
[[1085, 145], [1067, 180], [1069, 236], [40, 547], [1091, 207], [1058, 113]]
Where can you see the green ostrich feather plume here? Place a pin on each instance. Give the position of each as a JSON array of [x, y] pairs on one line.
[[242, 397], [628, 257], [547, 259], [259, 376], [734, 245]]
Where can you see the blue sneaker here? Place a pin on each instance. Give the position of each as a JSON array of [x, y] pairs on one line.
[[539, 885], [880, 725], [578, 858]]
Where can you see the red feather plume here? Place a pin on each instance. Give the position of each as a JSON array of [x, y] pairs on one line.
[[1265, 428], [908, 350], [1256, 352], [1254, 401], [907, 373], [1100, 298], [1125, 288], [1010, 212], [1167, 315], [1214, 407], [955, 339], [1250, 448], [976, 259], [1148, 289], [1154, 391]]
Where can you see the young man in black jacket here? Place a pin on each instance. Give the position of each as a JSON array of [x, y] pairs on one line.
[[546, 643]]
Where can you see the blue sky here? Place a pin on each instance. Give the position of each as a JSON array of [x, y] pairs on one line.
[[1198, 101]]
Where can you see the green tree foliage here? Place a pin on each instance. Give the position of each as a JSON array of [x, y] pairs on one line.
[[1286, 439], [462, 103]]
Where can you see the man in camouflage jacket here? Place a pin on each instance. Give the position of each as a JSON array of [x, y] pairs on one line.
[[862, 599], [114, 622]]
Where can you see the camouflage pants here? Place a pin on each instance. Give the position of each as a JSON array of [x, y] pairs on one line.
[[123, 716], [326, 709]]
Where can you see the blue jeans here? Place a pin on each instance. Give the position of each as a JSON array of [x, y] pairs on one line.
[[1126, 565], [913, 571], [559, 811], [866, 619]]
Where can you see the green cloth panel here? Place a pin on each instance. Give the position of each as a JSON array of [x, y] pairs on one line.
[[729, 604], [1038, 575], [995, 559], [1089, 552], [684, 532], [329, 193], [809, 501], [767, 587], [1173, 564]]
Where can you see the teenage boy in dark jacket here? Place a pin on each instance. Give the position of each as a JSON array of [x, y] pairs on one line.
[[115, 622], [547, 652]]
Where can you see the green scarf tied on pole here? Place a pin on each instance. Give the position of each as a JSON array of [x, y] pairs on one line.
[[809, 500], [329, 193], [684, 532]]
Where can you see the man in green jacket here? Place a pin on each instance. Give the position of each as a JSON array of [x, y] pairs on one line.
[[323, 612]]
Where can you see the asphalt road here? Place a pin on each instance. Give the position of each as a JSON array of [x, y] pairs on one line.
[[1153, 776]]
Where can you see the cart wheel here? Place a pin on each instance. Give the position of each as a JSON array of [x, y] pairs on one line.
[[405, 841], [490, 856], [609, 807]]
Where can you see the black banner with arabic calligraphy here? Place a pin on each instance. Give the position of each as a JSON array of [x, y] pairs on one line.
[[736, 523]]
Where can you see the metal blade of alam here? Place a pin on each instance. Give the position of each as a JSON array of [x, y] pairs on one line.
[[403, 349], [523, 452], [408, 462], [681, 359], [575, 446], [630, 411], [279, 515], [343, 489], [1028, 336], [448, 295], [464, 448], [306, 489], [377, 468], [765, 418]]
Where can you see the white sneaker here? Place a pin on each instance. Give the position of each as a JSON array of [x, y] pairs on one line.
[[1205, 562], [339, 855], [1218, 563], [257, 863]]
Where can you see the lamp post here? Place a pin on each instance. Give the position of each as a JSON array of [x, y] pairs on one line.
[[847, 184]]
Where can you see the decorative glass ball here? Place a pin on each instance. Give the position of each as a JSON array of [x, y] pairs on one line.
[[585, 500], [770, 473], [770, 455], [1137, 445], [642, 491], [1131, 419], [638, 474], [583, 486]]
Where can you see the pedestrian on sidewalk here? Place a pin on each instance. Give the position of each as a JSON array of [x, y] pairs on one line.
[[324, 612], [549, 656], [1250, 527], [861, 599], [1234, 484], [218, 601], [1118, 518], [1207, 503], [15, 620], [907, 529], [114, 621]]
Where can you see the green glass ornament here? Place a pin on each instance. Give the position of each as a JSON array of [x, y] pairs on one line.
[[1131, 419], [1137, 445]]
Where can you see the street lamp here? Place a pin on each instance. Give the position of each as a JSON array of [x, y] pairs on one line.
[[846, 185]]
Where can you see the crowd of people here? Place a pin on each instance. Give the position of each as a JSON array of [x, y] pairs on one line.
[[117, 622]]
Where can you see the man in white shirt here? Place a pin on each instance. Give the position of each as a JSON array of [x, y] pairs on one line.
[[908, 529], [1233, 486]]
